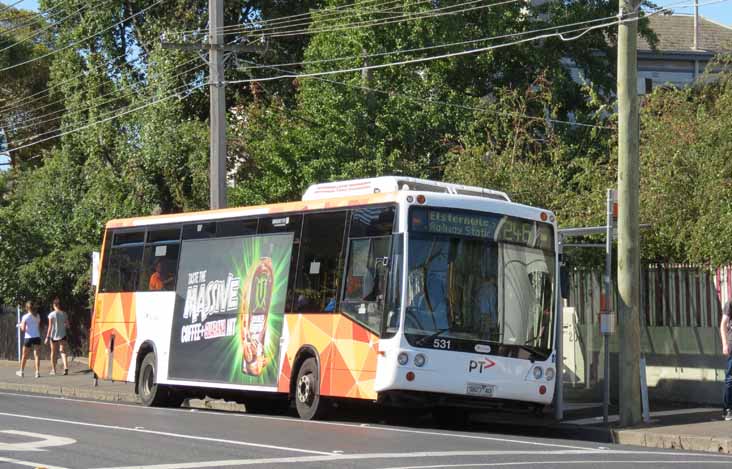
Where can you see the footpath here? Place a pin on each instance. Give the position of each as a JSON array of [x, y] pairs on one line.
[[686, 428]]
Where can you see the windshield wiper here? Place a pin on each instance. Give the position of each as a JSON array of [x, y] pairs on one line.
[[430, 337], [534, 351]]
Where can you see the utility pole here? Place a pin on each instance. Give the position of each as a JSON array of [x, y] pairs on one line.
[[628, 219], [217, 97], [217, 116]]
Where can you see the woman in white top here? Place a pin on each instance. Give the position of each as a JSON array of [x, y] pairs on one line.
[[30, 326], [58, 323]]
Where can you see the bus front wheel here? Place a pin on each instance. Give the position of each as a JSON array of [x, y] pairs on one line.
[[151, 393], [309, 404]]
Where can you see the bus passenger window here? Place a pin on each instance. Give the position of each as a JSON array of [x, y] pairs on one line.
[[319, 267], [160, 260], [366, 280], [124, 261]]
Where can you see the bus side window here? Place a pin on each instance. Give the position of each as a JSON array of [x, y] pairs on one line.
[[364, 292], [123, 265], [319, 265], [160, 260]]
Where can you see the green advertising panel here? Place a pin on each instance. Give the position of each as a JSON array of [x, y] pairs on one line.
[[229, 309]]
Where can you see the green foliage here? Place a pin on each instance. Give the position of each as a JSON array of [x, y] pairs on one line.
[[686, 171]]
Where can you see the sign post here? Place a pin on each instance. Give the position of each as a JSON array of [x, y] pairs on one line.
[[19, 337], [607, 318]]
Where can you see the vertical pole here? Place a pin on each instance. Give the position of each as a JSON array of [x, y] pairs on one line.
[[696, 25], [628, 230], [18, 327], [217, 118], [608, 300], [558, 341]]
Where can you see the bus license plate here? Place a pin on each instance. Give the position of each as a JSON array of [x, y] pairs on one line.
[[480, 389]]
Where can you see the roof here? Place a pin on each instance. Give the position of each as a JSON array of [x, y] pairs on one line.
[[394, 184], [271, 209], [676, 34]]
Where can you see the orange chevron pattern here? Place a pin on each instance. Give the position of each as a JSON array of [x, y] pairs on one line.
[[347, 353], [114, 315]]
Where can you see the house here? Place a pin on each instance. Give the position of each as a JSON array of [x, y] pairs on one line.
[[677, 60]]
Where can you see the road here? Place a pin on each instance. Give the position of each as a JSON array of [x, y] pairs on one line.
[[50, 432]]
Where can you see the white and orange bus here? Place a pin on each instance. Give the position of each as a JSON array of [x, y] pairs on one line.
[[394, 290]]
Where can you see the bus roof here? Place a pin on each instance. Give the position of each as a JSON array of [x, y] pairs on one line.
[[394, 184], [234, 212]]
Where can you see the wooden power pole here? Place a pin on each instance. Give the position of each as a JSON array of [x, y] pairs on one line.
[[628, 218], [217, 95]]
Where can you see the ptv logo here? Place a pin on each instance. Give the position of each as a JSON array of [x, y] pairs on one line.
[[479, 365]]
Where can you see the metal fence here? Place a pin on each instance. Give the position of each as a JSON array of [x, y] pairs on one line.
[[675, 295]]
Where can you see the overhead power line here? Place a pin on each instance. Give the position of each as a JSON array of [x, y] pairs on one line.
[[328, 20], [114, 116], [51, 25], [57, 115], [56, 51], [8, 7], [437, 46], [427, 14], [34, 16]]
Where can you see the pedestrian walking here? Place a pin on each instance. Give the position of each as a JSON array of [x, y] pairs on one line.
[[58, 324], [30, 326], [725, 331]]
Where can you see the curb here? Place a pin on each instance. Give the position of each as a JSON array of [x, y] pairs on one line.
[[71, 391], [113, 396], [669, 441]]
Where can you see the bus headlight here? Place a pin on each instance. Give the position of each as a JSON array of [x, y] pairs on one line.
[[549, 374], [403, 358], [419, 360], [538, 372]]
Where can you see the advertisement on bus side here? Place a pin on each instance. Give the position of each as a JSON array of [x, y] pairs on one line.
[[229, 310]]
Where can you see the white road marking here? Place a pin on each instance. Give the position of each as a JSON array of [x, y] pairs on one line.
[[42, 441], [173, 435], [533, 463], [20, 462], [432, 454], [316, 422]]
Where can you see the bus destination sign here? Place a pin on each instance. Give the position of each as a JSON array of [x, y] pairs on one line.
[[462, 224], [492, 226]]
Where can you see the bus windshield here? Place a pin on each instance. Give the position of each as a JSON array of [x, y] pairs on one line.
[[479, 278]]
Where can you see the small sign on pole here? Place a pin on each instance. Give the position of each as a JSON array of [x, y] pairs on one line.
[[95, 269]]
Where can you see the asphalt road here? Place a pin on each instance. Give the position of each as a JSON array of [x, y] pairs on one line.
[[42, 431]]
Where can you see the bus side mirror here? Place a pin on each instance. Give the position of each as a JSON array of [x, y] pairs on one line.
[[564, 282]]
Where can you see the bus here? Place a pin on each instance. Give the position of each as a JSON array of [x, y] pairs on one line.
[[394, 290]]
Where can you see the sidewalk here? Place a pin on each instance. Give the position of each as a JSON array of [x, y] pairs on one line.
[[694, 429]]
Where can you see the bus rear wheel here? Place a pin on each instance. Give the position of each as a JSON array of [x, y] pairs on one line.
[[310, 405], [151, 393]]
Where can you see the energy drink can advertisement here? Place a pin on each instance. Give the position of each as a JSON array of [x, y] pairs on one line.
[[229, 310]]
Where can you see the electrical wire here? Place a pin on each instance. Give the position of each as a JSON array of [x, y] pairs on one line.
[[290, 17], [8, 7], [439, 12], [39, 120], [51, 25], [112, 117], [33, 17], [56, 51], [438, 46], [430, 58], [234, 29]]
